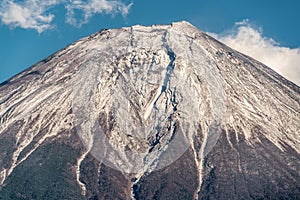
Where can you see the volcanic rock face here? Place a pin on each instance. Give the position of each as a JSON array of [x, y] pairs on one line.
[[161, 112]]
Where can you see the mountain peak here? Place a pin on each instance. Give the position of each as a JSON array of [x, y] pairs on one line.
[[158, 112], [183, 24]]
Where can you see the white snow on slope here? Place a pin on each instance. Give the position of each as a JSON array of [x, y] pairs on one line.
[[145, 82]]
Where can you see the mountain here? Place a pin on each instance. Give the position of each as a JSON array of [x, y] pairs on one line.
[[160, 112]]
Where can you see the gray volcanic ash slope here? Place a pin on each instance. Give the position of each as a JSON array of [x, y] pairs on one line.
[[161, 112]]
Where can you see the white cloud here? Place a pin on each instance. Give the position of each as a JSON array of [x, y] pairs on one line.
[[92, 7], [249, 40], [29, 14], [36, 14]]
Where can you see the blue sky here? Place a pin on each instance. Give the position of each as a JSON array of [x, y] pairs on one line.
[[31, 30]]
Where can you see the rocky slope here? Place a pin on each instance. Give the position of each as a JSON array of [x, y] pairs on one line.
[[161, 112]]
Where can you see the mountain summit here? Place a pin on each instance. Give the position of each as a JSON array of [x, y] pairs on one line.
[[160, 112]]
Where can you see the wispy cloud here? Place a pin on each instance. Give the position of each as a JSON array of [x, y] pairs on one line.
[[250, 40], [28, 14], [36, 14], [92, 7]]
